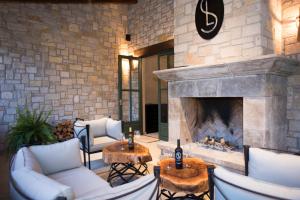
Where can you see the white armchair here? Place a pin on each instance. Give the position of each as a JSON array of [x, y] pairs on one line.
[[48, 172], [96, 134], [270, 176]]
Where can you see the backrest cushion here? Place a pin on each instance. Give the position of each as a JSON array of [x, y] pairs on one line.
[[98, 127], [114, 128], [274, 167], [80, 129], [249, 183], [25, 158], [58, 157], [38, 186]]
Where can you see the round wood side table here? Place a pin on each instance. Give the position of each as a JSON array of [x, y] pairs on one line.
[[192, 179], [126, 163]]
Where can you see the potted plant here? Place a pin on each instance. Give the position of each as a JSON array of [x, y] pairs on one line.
[[31, 128]]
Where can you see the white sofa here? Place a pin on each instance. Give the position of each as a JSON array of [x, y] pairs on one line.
[[55, 172], [271, 176], [98, 134]]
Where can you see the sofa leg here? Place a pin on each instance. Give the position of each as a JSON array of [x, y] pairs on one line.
[[89, 161]]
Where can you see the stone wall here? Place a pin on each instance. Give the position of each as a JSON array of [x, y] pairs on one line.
[[248, 30], [290, 12], [61, 57], [293, 110], [150, 22]]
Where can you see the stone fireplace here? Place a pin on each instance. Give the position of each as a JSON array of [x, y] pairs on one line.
[[250, 98]]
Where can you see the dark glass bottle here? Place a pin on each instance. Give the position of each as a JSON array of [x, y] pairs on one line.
[[178, 156], [130, 139]]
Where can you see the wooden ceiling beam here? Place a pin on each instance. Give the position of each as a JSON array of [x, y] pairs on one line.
[[73, 1]]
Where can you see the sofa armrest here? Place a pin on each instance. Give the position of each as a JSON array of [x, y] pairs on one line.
[[229, 185], [145, 187]]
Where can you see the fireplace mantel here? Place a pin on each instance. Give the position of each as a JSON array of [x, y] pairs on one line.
[[269, 64]]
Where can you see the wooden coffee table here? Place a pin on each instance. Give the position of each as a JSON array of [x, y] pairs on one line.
[[192, 179], [125, 163]]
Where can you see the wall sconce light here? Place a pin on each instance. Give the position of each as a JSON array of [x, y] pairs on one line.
[[128, 37]]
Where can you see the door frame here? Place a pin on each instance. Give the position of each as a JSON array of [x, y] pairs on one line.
[[163, 128], [136, 125]]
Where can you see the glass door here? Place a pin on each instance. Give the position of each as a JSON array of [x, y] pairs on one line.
[[165, 61], [129, 92]]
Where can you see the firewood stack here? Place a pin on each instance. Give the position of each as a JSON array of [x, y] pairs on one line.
[[64, 130]]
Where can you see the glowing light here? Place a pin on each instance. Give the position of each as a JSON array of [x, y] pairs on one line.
[[135, 64]]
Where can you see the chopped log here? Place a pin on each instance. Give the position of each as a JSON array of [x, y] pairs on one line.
[[64, 130]]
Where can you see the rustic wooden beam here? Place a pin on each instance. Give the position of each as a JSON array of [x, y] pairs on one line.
[[73, 1], [155, 49]]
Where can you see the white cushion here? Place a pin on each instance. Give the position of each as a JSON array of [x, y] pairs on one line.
[[98, 127], [82, 181], [25, 158], [114, 128], [101, 142], [250, 184], [58, 157], [273, 167], [38, 186], [80, 129]]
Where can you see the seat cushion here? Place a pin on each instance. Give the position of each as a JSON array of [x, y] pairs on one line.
[[114, 129], [59, 156], [101, 142], [256, 185], [25, 158], [279, 168], [39, 186], [82, 181]]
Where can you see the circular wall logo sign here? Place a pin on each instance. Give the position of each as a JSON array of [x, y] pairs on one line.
[[209, 17]]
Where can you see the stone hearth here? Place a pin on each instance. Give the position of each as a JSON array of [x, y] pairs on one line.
[[261, 83]]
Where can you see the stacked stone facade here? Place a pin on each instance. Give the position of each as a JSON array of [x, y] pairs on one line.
[[290, 12], [150, 22], [60, 57], [247, 31]]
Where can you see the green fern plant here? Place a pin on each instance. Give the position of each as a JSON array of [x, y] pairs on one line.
[[31, 128]]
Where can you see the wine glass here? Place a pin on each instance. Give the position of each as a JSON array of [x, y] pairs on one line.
[[122, 142]]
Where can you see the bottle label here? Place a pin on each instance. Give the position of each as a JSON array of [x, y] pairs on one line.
[[178, 156]]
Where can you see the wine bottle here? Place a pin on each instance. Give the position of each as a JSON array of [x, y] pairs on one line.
[[130, 139], [178, 156]]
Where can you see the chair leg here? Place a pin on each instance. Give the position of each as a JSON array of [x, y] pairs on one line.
[[84, 158], [89, 161]]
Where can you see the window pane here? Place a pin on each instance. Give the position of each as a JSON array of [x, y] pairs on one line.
[[164, 106], [135, 75], [135, 106], [126, 106], [125, 73]]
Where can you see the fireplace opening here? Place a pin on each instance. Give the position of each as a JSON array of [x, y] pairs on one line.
[[215, 120]]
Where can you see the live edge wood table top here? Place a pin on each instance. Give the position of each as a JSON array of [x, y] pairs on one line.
[[115, 154], [193, 178]]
